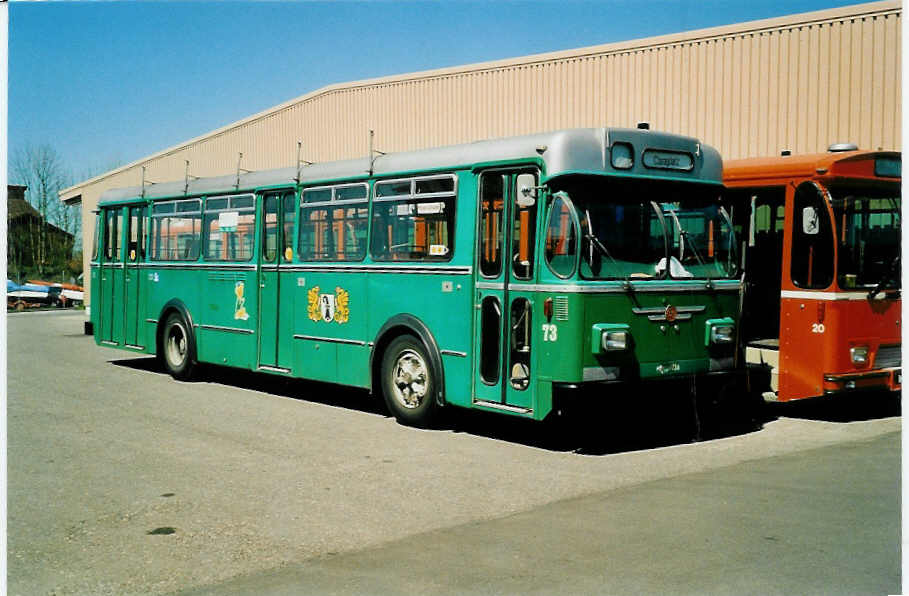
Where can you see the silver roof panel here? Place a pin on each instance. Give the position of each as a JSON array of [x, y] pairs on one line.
[[563, 152]]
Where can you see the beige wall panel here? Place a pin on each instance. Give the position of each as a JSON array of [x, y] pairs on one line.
[[855, 79], [798, 62], [823, 98], [812, 77], [890, 77], [738, 121], [863, 134], [834, 108], [878, 84]]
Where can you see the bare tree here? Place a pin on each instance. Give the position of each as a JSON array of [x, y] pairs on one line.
[[41, 169]]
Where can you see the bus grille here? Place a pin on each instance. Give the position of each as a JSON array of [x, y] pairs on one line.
[[561, 308], [887, 357]]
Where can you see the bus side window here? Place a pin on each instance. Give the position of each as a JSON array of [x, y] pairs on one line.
[[521, 326], [413, 219], [136, 224], [333, 223], [492, 205], [812, 239], [289, 207], [176, 230], [524, 237], [95, 237], [114, 219], [229, 225], [270, 230], [561, 239]]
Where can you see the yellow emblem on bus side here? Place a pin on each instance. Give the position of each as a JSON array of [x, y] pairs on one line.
[[313, 296], [342, 312], [240, 305], [328, 307]]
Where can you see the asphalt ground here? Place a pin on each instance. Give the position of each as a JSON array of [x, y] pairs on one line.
[[124, 481]]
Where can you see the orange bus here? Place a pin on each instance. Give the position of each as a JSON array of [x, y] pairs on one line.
[[821, 313]]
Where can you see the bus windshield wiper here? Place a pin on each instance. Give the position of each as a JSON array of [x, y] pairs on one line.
[[891, 271], [595, 242], [683, 233]]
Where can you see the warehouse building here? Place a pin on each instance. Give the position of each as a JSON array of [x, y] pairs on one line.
[[797, 82]]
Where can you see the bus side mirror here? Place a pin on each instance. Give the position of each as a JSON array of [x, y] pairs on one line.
[[751, 221], [527, 190], [810, 223]]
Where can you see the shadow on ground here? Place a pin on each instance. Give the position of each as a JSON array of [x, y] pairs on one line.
[[854, 407], [625, 423]]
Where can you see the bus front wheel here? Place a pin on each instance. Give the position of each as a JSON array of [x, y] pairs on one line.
[[177, 348], [409, 382]]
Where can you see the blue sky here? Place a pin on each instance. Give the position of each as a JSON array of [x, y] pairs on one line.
[[110, 82]]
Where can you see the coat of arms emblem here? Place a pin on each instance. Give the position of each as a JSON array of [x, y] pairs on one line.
[[329, 307]]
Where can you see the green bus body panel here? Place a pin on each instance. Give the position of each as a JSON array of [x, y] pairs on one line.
[[321, 320], [285, 317], [221, 308], [653, 343], [270, 315]]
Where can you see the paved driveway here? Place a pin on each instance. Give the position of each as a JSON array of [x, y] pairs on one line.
[[124, 481]]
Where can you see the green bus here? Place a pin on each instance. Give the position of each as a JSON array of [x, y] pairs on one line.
[[509, 275]]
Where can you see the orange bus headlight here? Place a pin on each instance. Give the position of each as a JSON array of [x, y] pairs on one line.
[[859, 355]]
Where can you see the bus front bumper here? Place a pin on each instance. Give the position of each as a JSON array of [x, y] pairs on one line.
[[883, 378], [610, 391]]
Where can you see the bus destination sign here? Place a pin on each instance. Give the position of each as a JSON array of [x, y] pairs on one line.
[[668, 160]]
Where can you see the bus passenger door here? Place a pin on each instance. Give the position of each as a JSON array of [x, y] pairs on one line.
[[111, 265], [505, 246], [275, 314], [132, 274]]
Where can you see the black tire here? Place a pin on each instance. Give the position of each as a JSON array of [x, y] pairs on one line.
[[408, 382], [177, 348]]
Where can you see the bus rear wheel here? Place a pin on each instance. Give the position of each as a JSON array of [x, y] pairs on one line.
[[409, 382], [177, 348]]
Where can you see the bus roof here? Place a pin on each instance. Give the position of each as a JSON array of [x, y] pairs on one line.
[[563, 153], [852, 164]]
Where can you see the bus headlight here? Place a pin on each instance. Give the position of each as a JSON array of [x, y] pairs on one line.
[[720, 332], [722, 335], [615, 340], [859, 355], [608, 337]]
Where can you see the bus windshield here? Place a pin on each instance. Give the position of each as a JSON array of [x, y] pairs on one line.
[[868, 237], [619, 241], [625, 227], [702, 241]]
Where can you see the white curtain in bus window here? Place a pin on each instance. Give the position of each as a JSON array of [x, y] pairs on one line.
[[333, 223], [230, 224], [413, 220], [176, 230]]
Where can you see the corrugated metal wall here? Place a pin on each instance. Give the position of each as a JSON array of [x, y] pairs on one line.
[[797, 82]]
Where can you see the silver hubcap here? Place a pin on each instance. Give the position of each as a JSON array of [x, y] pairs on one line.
[[409, 379], [176, 345]]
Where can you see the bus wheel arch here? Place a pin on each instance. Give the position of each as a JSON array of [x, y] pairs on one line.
[[404, 325], [175, 341]]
